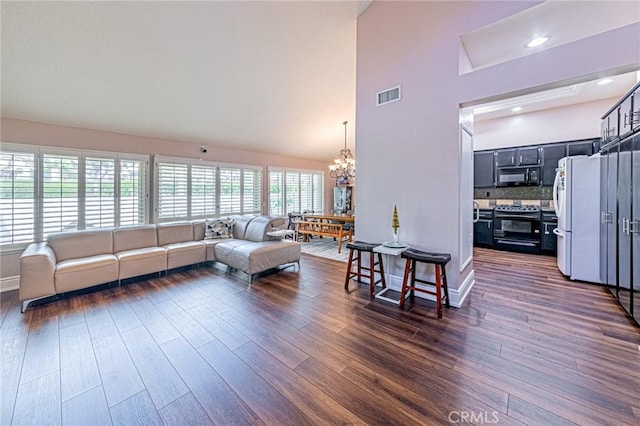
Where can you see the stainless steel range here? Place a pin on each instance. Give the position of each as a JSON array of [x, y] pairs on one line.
[[517, 227]]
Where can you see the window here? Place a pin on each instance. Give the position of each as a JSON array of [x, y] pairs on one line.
[[17, 197], [295, 191], [59, 193], [100, 194], [44, 191], [173, 187], [203, 190], [192, 189], [133, 192]]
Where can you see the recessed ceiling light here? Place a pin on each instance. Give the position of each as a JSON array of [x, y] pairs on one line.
[[516, 109], [604, 81], [537, 41]]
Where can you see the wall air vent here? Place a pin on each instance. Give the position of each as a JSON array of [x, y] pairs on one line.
[[388, 96]]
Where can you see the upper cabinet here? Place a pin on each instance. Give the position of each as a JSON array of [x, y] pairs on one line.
[[515, 157], [541, 158], [552, 153], [626, 115], [635, 111], [505, 157], [529, 156], [580, 148], [483, 170]]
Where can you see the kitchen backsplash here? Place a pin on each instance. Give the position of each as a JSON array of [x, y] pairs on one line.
[[514, 193]]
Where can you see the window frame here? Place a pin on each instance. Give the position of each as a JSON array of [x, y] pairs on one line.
[[315, 195], [39, 153], [219, 166]]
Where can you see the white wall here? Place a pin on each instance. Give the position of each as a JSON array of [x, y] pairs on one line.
[[408, 151], [580, 121]]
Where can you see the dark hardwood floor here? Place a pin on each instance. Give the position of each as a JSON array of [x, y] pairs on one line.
[[203, 347]]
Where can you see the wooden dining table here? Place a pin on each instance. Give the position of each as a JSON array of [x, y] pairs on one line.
[[346, 218]]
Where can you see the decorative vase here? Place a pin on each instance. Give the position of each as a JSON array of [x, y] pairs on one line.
[[395, 225]]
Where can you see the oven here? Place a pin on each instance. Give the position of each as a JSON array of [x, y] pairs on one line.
[[517, 230]]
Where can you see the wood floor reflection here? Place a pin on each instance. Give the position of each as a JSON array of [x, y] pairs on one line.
[[200, 346]]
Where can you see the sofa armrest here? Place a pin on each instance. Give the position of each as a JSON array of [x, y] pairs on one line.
[[37, 270], [258, 228]]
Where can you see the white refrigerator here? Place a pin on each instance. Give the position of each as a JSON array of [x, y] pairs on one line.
[[576, 198]]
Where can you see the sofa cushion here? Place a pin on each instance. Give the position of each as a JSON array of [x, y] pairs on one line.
[[83, 272], [218, 228], [79, 244], [253, 257], [134, 237], [133, 263], [210, 247], [240, 225], [171, 233], [186, 253]]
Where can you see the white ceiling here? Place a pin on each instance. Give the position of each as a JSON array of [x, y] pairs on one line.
[[267, 76], [561, 21], [275, 77], [588, 91]]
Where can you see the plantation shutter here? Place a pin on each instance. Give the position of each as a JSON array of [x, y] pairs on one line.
[[251, 191], [173, 191], [276, 193], [292, 192], [295, 191], [306, 192], [99, 190], [318, 192], [203, 190], [17, 197], [132, 192], [60, 193], [230, 190]]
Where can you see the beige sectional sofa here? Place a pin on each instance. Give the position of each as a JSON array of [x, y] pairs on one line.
[[70, 261]]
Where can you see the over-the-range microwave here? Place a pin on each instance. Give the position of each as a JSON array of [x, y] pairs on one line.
[[518, 176]]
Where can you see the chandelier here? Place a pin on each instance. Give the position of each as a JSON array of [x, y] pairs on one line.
[[344, 167]]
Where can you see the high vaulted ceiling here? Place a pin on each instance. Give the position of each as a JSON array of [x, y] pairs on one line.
[[275, 77], [269, 76]]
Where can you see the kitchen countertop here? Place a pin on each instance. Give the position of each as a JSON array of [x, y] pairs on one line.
[[489, 204]]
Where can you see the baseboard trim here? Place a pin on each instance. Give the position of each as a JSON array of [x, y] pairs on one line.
[[9, 283], [458, 295]]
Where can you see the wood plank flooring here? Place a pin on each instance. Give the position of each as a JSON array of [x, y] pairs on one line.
[[200, 346]]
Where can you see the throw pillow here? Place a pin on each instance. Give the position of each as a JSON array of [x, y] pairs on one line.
[[218, 228]]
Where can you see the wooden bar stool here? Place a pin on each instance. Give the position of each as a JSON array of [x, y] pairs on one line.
[[439, 260], [359, 247]]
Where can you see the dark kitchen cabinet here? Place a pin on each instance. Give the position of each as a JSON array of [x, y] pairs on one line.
[[580, 148], [528, 156], [483, 169], [625, 115], [608, 215], [624, 284], [633, 228], [635, 112], [609, 127], [620, 211], [506, 157], [483, 229], [551, 154], [549, 239]]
